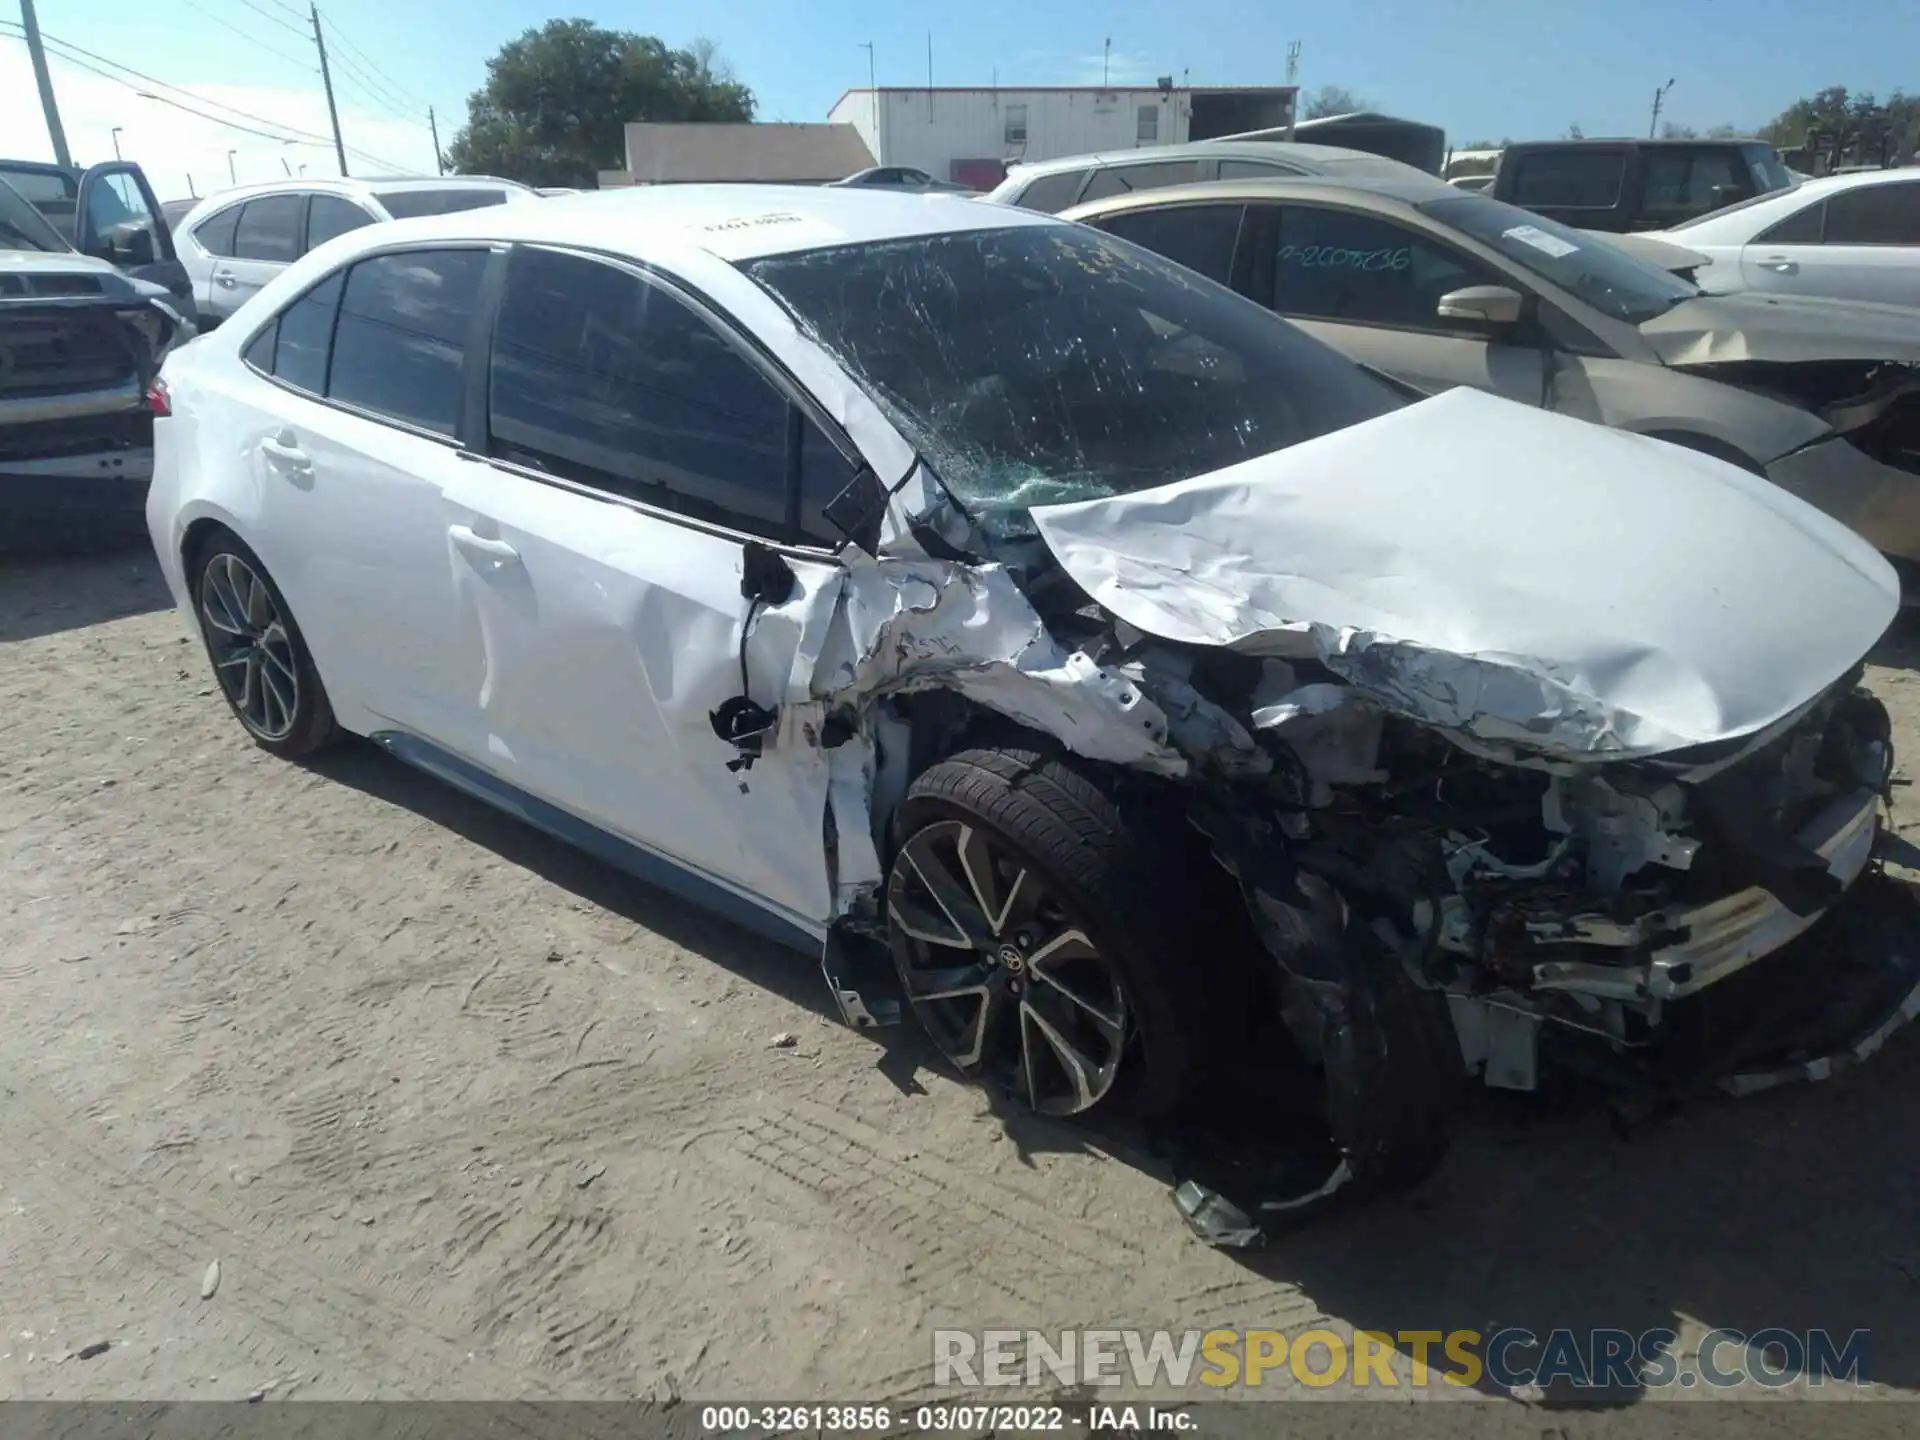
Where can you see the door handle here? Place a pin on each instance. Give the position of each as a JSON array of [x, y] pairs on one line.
[[498, 551], [224, 280], [284, 451], [1780, 266]]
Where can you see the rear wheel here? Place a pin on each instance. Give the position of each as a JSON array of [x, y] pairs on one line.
[[1028, 913], [259, 657]]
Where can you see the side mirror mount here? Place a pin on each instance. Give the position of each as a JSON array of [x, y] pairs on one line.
[[1483, 305], [765, 578]]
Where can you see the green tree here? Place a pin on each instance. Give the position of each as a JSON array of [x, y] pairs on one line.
[[1837, 109], [556, 100], [1332, 100]]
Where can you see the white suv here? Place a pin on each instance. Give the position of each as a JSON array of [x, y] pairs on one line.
[[235, 242]]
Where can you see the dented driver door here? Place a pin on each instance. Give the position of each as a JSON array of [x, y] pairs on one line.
[[632, 582]]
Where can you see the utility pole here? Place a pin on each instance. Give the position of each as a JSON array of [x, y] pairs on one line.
[[1653, 125], [326, 80], [1293, 71], [873, 94], [37, 53], [1106, 61], [233, 177], [116, 141], [439, 165]]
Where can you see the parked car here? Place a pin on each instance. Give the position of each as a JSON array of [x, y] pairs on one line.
[[1853, 237], [174, 211], [107, 211], [1442, 288], [1055, 185], [901, 177], [80, 342], [1620, 185], [235, 242], [796, 548]]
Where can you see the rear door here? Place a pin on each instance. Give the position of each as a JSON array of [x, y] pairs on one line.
[[1861, 243], [1371, 287], [121, 221], [267, 238], [639, 454]]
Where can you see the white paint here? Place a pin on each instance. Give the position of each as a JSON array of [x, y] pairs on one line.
[[1519, 577]]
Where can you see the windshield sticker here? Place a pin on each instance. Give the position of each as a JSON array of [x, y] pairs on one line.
[[1540, 240], [1334, 257]]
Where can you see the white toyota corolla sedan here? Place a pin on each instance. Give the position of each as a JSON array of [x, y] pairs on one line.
[[1158, 695]]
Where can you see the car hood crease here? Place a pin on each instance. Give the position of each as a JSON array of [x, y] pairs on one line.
[[1527, 582], [1722, 329]]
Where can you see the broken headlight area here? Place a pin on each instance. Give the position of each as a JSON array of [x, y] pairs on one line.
[[1431, 915], [1875, 404]]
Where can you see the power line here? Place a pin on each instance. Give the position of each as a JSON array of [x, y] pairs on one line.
[[373, 92], [299, 30], [352, 49], [288, 132], [291, 10], [247, 36]]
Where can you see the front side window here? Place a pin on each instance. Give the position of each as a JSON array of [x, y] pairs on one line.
[[1804, 227], [1770, 172], [601, 377], [1569, 179], [1050, 194], [440, 200], [400, 341], [1684, 182], [1200, 237], [1585, 266], [1875, 215], [270, 229], [1336, 265], [1125, 179], [215, 233], [1046, 363], [329, 215]]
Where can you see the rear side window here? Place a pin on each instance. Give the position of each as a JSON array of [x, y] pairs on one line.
[[1124, 179], [1569, 179], [215, 233], [603, 378], [1051, 194], [1803, 227], [270, 229], [411, 204], [400, 340], [1200, 237], [1875, 215], [329, 215], [305, 335]]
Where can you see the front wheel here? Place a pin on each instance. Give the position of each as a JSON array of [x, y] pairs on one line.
[[259, 657], [1029, 916]]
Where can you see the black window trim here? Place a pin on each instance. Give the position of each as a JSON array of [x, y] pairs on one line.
[[481, 316], [798, 398], [1819, 205], [1526, 335]]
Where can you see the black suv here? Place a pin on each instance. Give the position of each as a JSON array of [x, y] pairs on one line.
[[1622, 185]]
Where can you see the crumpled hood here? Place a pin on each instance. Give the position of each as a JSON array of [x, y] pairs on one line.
[[1716, 329], [1534, 584]]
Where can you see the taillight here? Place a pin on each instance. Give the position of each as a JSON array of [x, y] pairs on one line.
[[157, 398]]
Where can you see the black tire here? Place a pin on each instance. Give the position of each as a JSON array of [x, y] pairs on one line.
[[309, 723], [1105, 861]]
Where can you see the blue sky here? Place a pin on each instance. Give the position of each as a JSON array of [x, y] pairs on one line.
[[1500, 67]]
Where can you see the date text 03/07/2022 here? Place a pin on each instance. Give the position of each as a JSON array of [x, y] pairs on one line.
[[965, 1419]]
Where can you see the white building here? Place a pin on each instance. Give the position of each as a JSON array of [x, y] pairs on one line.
[[972, 135]]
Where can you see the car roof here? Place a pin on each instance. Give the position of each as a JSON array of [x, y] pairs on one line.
[[1377, 192], [359, 185], [733, 222], [1329, 157]]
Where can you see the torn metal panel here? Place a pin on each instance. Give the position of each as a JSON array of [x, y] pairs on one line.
[[1717, 329], [1524, 606], [915, 625]]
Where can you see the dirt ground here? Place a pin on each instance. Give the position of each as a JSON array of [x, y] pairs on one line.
[[461, 1114]]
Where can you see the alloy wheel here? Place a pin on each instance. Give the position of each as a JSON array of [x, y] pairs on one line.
[[1002, 976], [253, 652]]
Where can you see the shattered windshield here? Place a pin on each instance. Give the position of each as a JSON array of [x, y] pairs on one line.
[[1048, 363], [1585, 266]]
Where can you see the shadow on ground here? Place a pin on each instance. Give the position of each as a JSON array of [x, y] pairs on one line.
[[45, 596]]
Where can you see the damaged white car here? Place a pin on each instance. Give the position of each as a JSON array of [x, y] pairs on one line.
[[920, 579]]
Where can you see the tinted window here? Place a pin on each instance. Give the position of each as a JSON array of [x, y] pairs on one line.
[[1803, 227], [1048, 363], [1123, 179], [1575, 179], [1253, 170], [408, 204], [1686, 182], [1052, 193], [606, 379], [1332, 265], [1875, 215], [401, 336], [215, 233], [1200, 237], [51, 192], [270, 229], [1769, 170], [329, 215], [259, 351], [306, 330]]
